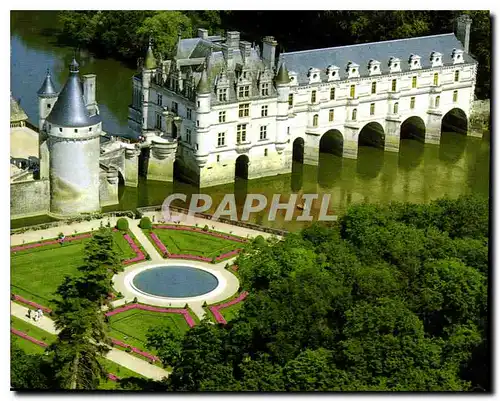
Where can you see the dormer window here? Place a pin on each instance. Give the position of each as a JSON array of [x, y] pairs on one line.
[[394, 64], [332, 73], [243, 91], [264, 89], [314, 75], [352, 70], [436, 59], [457, 56], [374, 67], [293, 78], [222, 94], [414, 62]]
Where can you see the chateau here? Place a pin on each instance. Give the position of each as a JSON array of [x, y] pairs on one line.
[[223, 108]]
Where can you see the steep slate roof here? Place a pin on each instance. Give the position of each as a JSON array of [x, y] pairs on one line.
[[47, 89], [70, 109], [300, 61], [16, 111]]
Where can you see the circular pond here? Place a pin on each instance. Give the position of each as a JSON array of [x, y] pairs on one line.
[[175, 281]]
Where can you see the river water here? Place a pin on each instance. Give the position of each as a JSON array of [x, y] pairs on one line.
[[418, 173]]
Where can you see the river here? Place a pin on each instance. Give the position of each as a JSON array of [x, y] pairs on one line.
[[418, 173]]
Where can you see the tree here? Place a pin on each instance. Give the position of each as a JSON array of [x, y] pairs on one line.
[[167, 342], [28, 372]]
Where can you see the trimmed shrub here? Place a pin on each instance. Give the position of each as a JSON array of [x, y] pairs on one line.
[[122, 224], [135, 300], [260, 240], [205, 228], [214, 260], [145, 223]]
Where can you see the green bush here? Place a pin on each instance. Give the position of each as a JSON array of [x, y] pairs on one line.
[[145, 223], [122, 224], [135, 300], [205, 228], [260, 240]]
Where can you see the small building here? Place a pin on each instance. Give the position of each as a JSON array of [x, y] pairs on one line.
[[18, 117]]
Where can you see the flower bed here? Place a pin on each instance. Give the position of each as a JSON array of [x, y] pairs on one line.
[[135, 350], [163, 249], [139, 254], [199, 230], [22, 300], [113, 377], [187, 316], [215, 309]]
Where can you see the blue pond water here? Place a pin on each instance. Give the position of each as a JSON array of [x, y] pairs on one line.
[[175, 281]]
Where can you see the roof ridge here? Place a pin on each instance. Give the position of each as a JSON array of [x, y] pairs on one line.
[[368, 43]]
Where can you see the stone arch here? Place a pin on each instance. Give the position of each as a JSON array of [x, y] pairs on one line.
[[455, 120], [332, 141], [413, 128], [298, 150], [372, 134], [241, 167]]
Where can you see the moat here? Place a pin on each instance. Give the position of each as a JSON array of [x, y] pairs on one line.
[[418, 173]]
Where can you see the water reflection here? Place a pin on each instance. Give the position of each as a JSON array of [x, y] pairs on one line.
[[329, 170], [411, 153], [370, 162], [297, 177], [452, 146]]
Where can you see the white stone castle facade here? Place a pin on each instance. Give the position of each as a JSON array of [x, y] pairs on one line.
[[221, 107]]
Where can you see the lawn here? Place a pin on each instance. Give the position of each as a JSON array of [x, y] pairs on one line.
[[26, 345], [36, 273], [32, 330], [131, 326], [231, 312], [194, 243]]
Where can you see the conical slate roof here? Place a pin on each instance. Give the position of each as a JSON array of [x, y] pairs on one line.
[[150, 62], [282, 76], [47, 89], [203, 86], [70, 109]]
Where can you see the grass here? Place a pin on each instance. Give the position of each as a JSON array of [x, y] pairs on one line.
[[32, 330], [26, 345], [231, 312], [36, 273], [194, 243], [132, 326]]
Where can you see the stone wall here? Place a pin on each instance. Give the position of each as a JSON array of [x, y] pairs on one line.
[[479, 122], [29, 198]]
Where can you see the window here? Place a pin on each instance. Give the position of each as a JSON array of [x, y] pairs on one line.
[[198, 104], [241, 133], [188, 114], [188, 136], [243, 91], [372, 109], [374, 88], [159, 99], [457, 76], [197, 123], [221, 139], [455, 96], [218, 158], [263, 132], [332, 93], [90, 129], [313, 97], [436, 79], [354, 114], [436, 103], [412, 102], [48, 105], [290, 100], [175, 106], [331, 115], [222, 95], [352, 92], [414, 82], [265, 152], [264, 90], [158, 121], [60, 129], [76, 129], [263, 111], [288, 130], [394, 85], [244, 110], [396, 108], [315, 120], [222, 116]]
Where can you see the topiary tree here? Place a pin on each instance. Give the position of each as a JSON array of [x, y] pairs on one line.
[[145, 223], [122, 224], [205, 228]]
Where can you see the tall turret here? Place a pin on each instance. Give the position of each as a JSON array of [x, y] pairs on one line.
[[47, 96], [147, 75], [73, 144], [282, 81], [203, 104]]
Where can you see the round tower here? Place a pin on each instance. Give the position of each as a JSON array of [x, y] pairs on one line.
[[282, 82], [147, 75], [47, 96], [203, 104], [74, 148]]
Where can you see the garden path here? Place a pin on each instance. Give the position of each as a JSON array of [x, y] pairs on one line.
[[120, 357], [146, 244]]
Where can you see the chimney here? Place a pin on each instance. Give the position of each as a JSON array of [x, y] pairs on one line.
[[245, 49], [269, 51], [227, 52], [233, 39], [464, 23], [89, 86], [202, 33]]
